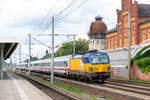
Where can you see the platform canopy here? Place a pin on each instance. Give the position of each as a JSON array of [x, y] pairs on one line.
[[8, 44], [7, 47]]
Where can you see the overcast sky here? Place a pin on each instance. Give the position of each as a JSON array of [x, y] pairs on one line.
[[21, 17]]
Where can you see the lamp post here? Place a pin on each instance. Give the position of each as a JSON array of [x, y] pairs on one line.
[[129, 44]]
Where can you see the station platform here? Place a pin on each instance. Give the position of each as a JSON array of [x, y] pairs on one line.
[[14, 87]]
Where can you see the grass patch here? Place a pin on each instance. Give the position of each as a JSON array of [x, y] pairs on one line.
[[7, 68], [119, 78], [94, 98], [68, 87], [34, 77], [109, 98], [58, 84], [132, 80], [139, 80]]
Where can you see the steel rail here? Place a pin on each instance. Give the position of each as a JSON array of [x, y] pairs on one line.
[[129, 82]]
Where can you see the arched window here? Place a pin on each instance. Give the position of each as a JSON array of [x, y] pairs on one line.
[[144, 37], [133, 39], [97, 42], [120, 42], [133, 28]]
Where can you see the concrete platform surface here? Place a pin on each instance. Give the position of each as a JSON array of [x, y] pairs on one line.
[[13, 87]]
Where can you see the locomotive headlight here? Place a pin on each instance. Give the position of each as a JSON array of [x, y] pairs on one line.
[[91, 69], [109, 68]]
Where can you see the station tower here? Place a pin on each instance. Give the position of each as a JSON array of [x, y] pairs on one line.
[[97, 36]]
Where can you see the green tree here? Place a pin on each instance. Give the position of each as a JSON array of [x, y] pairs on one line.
[[46, 56], [67, 48], [32, 59]]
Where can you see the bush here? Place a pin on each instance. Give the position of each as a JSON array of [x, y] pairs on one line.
[[146, 54], [144, 64], [142, 60]]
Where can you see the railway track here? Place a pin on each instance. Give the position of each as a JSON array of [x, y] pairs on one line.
[[135, 87], [128, 82], [140, 89], [52, 91]]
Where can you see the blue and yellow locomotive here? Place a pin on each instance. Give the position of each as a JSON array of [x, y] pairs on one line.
[[92, 66]]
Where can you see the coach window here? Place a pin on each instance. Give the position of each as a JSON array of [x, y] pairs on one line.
[[45, 64], [55, 64], [66, 63], [63, 64], [144, 37], [48, 64]]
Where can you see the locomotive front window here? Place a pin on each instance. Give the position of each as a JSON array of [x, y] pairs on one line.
[[104, 59], [99, 59]]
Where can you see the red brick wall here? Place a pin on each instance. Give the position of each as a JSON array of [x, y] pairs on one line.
[[120, 72], [136, 73], [144, 31], [122, 20]]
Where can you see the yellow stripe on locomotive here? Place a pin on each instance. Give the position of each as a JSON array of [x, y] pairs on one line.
[[77, 64]]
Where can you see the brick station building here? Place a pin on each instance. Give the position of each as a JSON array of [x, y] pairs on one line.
[[140, 25], [115, 41]]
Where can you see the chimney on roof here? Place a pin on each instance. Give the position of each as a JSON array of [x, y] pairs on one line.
[[98, 18]]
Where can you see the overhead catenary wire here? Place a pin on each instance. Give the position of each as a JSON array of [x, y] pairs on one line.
[[61, 12], [47, 16], [72, 10], [66, 8], [40, 42], [57, 15]]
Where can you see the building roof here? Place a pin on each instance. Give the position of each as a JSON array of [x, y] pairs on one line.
[[144, 10], [112, 30], [9, 44], [98, 26], [144, 21]]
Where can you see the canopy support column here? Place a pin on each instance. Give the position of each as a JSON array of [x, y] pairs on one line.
[[1, 59]]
